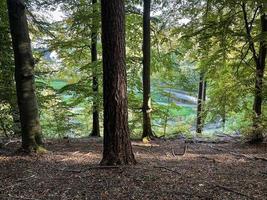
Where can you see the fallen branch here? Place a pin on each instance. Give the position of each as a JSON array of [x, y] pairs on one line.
[[162, 167], [10, 142], [232, 190], [90, 168], [18, 182], [239, 155], [211, 159]]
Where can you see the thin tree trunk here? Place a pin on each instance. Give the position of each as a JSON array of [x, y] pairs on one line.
[[24, 76], [117, 144], [96, 130], [224, 114], [147, 130], [260, 67], [167, 115], [200, 103]]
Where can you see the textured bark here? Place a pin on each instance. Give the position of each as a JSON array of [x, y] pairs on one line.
[[117, 145], [200, 103], [96, 130], [258, 98], [147, 130], [24, 76]]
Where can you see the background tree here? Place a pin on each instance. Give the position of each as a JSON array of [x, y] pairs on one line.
[[260, 60], [200, 103], [117, 145], [147, 130], [7, 83], [94, 31]]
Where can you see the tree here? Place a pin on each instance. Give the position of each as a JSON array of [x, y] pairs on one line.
[[117, 145], [147, 130], [200, 103], [24, 77], [7, 83], [95, 131], [259, 59]]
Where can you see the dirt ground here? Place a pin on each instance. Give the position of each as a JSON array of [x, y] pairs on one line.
[[71, 171]]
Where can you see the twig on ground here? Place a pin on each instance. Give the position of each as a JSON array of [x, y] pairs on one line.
[[17, 197], [19, 182], [173, 153], [232, 190], [10, 142], [162, 167], [90, 168], [239, 155], [211, 159], [180, 154]]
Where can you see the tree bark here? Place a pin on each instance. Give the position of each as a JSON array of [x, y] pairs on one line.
[[117, 145], [96, 130], [147, 130], [260, 67], [24, 76]]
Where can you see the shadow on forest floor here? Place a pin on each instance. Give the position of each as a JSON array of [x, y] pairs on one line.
[[164, 171]]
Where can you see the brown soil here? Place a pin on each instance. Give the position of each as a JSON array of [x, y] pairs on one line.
[[71, 171]]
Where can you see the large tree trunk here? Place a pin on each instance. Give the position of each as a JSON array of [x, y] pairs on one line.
[[24, 76], [200, 103], [96, 130], [147, 130], [117, 145], [260, 67]]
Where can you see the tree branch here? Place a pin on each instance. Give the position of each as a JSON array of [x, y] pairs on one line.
[[248, 31]]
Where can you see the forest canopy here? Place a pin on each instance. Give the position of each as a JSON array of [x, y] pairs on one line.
[[193, 68]]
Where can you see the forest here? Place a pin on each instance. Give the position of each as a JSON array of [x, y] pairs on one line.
[[133, 99]]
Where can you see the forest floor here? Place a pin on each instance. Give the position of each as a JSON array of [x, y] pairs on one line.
[[70, 170]]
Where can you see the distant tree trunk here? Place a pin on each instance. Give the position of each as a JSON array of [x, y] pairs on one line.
[[147, 130], [260, 67], [24, 76], [167, 115], [96, 130], [117, 144], [223, 115], [200, 103], [10, 95], [8, 92]]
